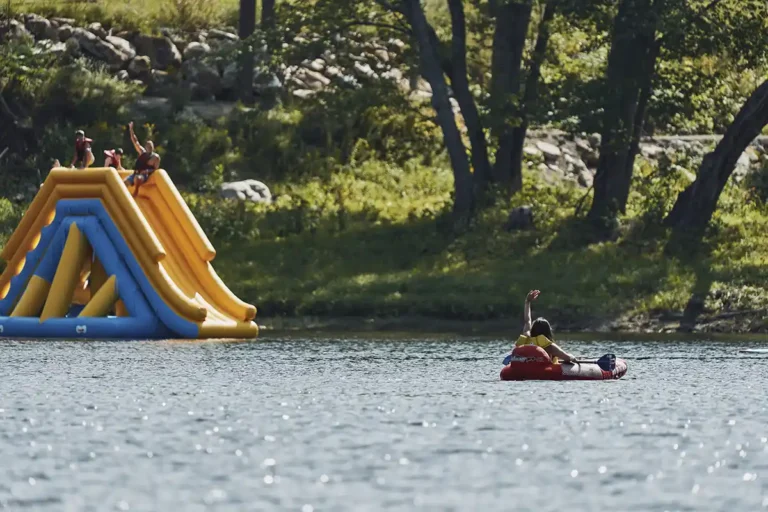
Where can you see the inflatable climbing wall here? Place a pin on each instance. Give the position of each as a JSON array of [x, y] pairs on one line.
[[88, 260]]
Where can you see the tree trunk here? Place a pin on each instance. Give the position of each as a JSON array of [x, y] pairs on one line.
[[247, 26], [630, 62], [460, 85], [695, 205], [642, 107], [519, 133], [512, 20], [429, 61], [267, 14]]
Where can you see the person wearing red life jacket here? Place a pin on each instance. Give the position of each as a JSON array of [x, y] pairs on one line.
[[114, 158], [147, 162], [83, 155]]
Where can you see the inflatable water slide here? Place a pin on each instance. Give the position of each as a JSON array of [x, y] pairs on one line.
[[88, 260]]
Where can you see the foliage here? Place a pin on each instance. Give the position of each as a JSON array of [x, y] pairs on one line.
[[145, 15], [655, 187], [388, 257], [360, 180], [757, 184]]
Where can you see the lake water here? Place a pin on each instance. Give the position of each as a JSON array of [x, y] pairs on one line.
[[361, 423]]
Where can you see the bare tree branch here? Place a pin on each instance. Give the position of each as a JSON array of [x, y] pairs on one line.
[[7, 109]]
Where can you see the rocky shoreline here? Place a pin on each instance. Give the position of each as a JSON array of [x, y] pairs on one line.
[[737, 323], [203, 63], [559, 156]]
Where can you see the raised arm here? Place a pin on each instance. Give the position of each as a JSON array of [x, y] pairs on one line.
[[134, 140], [527, 311]]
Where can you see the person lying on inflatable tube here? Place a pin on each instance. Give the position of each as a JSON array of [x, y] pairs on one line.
[[539, 333]]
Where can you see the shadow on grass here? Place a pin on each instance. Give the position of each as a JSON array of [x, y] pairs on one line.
[[417, 269]]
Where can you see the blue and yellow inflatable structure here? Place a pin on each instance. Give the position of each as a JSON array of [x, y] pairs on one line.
[[88, 260]]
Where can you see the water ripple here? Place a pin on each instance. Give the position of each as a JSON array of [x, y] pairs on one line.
[[391, 424]]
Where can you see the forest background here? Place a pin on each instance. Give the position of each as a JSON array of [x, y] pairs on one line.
[[410, 187]]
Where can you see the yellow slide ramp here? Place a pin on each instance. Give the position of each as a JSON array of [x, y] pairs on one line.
[[188, 256]]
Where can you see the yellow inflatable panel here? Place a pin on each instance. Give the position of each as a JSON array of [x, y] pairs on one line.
[[103, 300], [67, 275]]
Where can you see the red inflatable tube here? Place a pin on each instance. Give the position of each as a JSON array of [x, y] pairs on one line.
[[530, 362]]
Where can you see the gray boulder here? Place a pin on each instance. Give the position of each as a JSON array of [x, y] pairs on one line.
[[574, 165], [316, 65], [520, 218], [161, 51], [363, 70], [247, 190], [585, 178], [72, 47], [595, 140], [64, 32], [551, 152], [313, 80], [195, 50], [123, 46], [650, 150], [39, 27], [382, 54], [303, 93], [742, 167], [96, 29], [531, 152], [140, 68], [215, 33], [14, 31], [99, 49], [229, 77], [266, 83], [161, 83], [51, 47], [63, 21], [202, 78]]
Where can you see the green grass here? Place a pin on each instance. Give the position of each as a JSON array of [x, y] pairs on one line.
[[370, 242], [379, 263], [147, 15]]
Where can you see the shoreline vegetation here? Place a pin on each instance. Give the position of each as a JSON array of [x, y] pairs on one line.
[[363, 228], [508, 328]]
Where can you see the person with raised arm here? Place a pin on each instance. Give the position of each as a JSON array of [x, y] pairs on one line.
[[147, 162], [539, 333]]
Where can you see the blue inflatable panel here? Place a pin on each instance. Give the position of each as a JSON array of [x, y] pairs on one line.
[[75, 310], [50, 262], [174, 322], [101, 328], [150, 315], [19, 282], [127, 288]]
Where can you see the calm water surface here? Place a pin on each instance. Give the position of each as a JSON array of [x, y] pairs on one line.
[[377, 424]]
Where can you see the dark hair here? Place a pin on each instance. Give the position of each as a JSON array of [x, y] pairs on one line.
[[540, 327], [119, 151], [80, 132]]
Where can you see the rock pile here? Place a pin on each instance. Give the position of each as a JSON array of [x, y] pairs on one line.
[[563, 157], [202, 62]]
